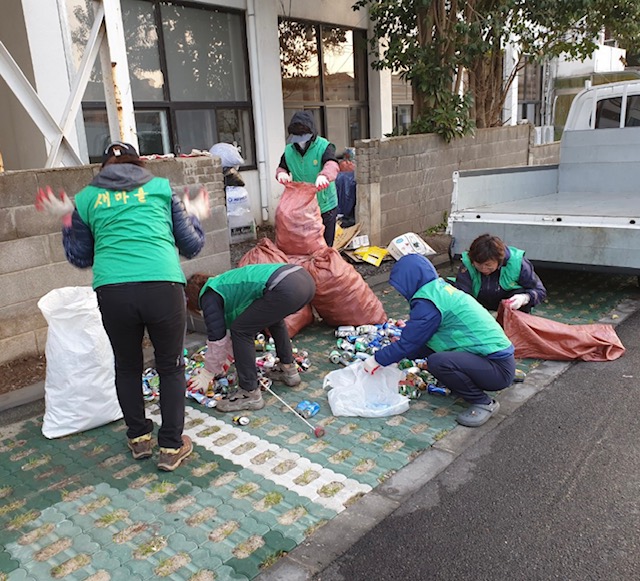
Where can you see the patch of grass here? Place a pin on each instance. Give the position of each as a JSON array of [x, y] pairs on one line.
[[271, 559]]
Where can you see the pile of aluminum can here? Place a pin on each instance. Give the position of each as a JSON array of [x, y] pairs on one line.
[[355, 343]]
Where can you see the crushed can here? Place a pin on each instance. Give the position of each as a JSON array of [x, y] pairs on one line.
[[345, 331], [438, 389], [307, 409], [241, 420]]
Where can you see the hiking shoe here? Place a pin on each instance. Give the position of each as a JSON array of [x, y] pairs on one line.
[[171, 458], [286, 374], [478, 413], [241, 400], [140, 447]]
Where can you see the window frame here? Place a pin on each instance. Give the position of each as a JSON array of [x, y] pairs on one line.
[[172, 106], [323, 104]]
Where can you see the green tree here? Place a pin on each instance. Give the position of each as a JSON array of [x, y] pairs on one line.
[[436, 44]]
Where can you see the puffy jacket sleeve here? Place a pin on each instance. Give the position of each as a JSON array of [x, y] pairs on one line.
[[77, 240], [187, 230]]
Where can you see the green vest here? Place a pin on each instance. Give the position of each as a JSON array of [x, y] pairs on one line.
[[239, 287], [509, 273], [132, 232], [466, 325], [305, 168]]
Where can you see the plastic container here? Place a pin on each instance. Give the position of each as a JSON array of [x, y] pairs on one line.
[[239, 216]]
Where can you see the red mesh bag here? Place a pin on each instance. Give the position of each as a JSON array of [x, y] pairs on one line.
[[299, 320], [264, 252], [539, 338], [342, 295], [299, 227]]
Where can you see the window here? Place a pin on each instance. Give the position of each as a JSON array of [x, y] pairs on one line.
[[530, 92], [189, 77], [608, 113], [632, 118], [324, 71]]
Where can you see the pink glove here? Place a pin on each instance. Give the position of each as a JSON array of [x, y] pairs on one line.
[[219, 355], [370, 365], [517, 301], [47, 202], [322, 182], [199, 206], [284, 177]]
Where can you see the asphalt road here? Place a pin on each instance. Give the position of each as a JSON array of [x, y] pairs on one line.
[[552, 493]]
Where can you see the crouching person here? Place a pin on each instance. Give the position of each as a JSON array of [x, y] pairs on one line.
[[244, 301], [466, 348]]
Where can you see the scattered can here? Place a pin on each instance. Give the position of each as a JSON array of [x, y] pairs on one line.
[[438, 389], [345, 331], [241, 420], [308, 409]]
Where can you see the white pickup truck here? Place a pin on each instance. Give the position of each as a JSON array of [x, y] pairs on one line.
[[583, 213]]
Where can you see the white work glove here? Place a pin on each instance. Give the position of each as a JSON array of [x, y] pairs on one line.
[[219, 355], [370, 365], [47, 202], [284, 177], [517, 301], [199, 206], [200, 382], [322, 182]]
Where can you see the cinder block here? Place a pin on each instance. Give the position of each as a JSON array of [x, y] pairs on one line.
[[19, 318], [7, 225], [71, 180], [30, 222], [17, 347], [18, 188], [212, 264], [23, 253]]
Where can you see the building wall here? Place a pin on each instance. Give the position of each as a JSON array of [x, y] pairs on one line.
[[32, 260], [405, 183], [545, 154]]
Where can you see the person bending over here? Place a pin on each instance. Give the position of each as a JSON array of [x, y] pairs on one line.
[[236, 306]]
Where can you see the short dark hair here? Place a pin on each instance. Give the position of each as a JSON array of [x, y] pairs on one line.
[[192, 290], [487, 247]]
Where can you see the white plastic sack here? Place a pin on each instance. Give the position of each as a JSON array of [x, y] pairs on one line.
[[228, 154], [353, 392], [79, 388]]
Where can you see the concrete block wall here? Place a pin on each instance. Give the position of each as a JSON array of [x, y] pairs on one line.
[[405, 183], [32, 260], [545, 154]]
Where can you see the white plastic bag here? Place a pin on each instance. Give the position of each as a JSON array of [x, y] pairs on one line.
[[79, 388], [353, 392], [228, 154]]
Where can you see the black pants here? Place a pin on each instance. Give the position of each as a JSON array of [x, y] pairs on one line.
[[289, 295], [160, 307], [329, 221]]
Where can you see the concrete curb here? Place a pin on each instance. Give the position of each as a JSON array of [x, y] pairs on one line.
[[333, 539]]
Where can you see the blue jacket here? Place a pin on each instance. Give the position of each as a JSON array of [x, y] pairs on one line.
[[78, 239], [408, 275]]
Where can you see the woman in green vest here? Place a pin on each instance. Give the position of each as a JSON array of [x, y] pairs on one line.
[[312, 159], [237, 305], [493, 272], [128, 226], [467, 351]]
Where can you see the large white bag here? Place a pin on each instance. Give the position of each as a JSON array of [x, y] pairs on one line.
[[79, 388], [354, 392]]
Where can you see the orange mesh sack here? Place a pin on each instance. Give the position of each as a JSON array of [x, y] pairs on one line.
[[299, 320], [539, 338], [342, 295], [264, 252], [299, 227]]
